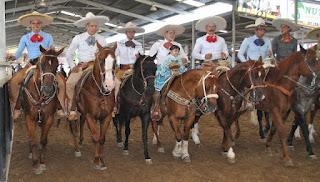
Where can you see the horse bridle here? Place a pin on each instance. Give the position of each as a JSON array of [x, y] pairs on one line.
[[145, 83], [100, 86], [39, 91], [204, 99]]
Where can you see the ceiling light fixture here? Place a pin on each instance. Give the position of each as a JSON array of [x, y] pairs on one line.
[[153, 8], [194, 3]]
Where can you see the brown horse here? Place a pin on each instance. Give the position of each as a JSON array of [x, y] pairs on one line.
[[180, 105], [95, 101], [280, 83], [40, 102]]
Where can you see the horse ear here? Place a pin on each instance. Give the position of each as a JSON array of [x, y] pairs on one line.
[[99, 46], [260, 58], [43, 50], [60, 51], [304, 51]]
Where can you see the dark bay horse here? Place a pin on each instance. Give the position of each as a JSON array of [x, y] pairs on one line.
[[135, 100], [95, 101], [280, 82], [39, 100], [304, 97], [180, 104]]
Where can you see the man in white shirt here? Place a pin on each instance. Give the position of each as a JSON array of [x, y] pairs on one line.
[[210, 47], [161, 47], [127, 52], [86, 46]]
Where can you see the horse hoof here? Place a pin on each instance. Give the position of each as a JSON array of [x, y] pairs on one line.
[[224, 154], [269, 152], [37, 171], [154, 140], [288, 163], [120, 144], [43, 167], [312, 157], [100, 167], [148, 161], [291, 147], [161, 150], [186, 159], [77, 154], [125, 152], [262, 140], [231, 160], [30, 156]]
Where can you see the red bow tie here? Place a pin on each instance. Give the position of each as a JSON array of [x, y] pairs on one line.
[[36, 38], [211, 39], [167, 45]]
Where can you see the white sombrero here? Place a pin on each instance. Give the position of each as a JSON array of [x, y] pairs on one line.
[[312, 34], [284, 21], [178, 29], [90, 17], [130, 27], [257, 23], [220, 23], [25, 20]]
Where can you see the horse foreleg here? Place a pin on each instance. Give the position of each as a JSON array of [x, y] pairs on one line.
[[82, 121], [44, 140], [74, 131], [237, 125], [156, 140], [145, 119], [195, 130], [127, 132], [31, 130], [277, 121], [174, 123], [104, 125], [95, 138], [304, 127], [118, 127], [187, 125], [292, 131]]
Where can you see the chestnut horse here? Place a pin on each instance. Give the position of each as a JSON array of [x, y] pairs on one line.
[[95, 101], [180, 104], [40, 102], [234, 85], [280, 82]]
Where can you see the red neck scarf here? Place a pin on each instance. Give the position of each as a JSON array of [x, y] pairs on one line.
[[36, 38], [211, 39]]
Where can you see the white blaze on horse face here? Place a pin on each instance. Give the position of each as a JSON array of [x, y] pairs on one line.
[[108, 82]]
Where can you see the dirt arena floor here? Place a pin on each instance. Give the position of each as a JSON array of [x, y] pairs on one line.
[[252, 162]]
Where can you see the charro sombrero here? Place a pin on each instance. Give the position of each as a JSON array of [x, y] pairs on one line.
[[90, 17], [220, 23], [178, 29], [284, 21], [130, 27], [25, 20]]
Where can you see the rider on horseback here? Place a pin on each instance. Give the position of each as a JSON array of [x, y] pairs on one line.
[[86, 45], [32, 42], [128, 50], [172, 65]]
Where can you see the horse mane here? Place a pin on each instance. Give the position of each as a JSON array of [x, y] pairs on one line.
[[277, 72]]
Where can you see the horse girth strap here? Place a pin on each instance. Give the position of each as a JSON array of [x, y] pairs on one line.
[[280, 88], [178, 99]]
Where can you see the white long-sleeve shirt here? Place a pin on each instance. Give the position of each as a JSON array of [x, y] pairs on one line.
[[86, 53], [163, 52], [128, 55], [203, 47]]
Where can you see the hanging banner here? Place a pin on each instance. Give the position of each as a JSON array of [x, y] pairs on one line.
[[308, 14]]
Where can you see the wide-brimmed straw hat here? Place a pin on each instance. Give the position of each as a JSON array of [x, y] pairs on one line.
[[178, 29], [130, 27], [258, 23], [284, 21], [25, 20], [220, 23], [314, 33], [90, 17]]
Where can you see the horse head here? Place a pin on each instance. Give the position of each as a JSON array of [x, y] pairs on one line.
[[145, 70], [47, 69], [207, 90], [103, 67], [310, 61]]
